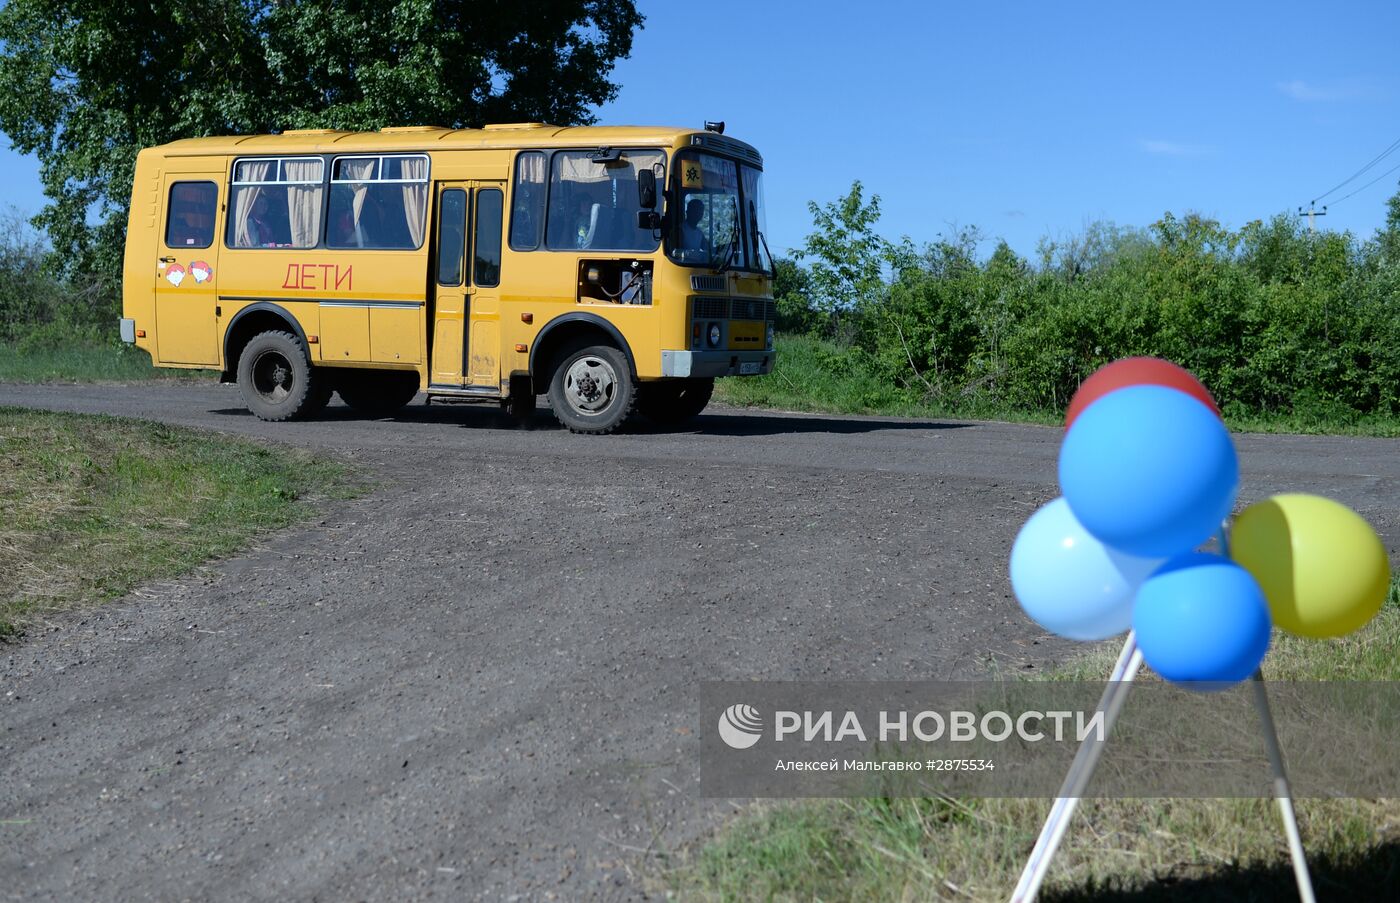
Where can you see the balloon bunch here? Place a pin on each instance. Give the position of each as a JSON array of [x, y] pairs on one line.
[[1148, 474]]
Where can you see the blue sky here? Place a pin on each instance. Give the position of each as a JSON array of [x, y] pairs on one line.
[[1023, 119], [1032, 119]]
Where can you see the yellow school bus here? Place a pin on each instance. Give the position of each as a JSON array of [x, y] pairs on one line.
[[611, 269]]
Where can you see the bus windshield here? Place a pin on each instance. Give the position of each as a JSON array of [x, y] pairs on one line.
[[718, 221]]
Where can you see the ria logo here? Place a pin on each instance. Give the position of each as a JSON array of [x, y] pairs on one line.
[[740, 726]]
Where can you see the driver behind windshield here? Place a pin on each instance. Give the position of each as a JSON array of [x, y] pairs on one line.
[[692, 238]]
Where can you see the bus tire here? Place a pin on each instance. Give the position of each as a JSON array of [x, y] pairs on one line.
[[591, 389], [276, 378], [377, 393], [674, 401]]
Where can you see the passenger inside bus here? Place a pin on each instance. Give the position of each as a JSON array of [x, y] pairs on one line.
[[586, 222], [263, 223], [259, 229], [381, 220]]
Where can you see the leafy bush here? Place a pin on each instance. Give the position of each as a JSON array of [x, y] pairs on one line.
[[43, 309], [27, 295], [1276, 321]]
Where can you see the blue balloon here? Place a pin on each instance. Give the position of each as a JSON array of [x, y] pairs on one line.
[[1202, 619], [1070, 583], [1149, 470]]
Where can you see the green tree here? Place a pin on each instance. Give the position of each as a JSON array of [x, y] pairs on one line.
[[85, 84], [792, 289], [26, 296], [923, 333], [1388, 236], [847, 257]]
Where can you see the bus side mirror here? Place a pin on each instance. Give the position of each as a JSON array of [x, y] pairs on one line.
[[648, 219], [646, 189]]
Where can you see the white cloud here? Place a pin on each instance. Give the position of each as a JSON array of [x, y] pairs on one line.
[[1325, 92], [1173, 148]]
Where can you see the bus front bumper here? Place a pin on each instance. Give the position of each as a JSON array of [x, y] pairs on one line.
[[716, 363]]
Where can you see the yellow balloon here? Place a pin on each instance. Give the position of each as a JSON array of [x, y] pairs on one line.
[[1323, 569]]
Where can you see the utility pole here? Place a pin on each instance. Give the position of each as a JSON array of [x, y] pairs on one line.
[[1311, 214]]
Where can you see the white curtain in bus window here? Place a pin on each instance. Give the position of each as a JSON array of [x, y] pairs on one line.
[[415, 196], [246, 192], [276, 203], [346, 229], [304, 200], [593, 205], [378, 202]]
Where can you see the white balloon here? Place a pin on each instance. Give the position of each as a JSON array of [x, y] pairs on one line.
[[1070, 583]]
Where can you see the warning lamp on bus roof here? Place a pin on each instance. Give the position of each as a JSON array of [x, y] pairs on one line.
[[716, 127]]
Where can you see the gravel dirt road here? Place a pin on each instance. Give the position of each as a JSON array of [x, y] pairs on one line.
[[478, 681]]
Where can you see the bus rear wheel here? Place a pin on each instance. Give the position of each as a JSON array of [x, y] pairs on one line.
[[377, 392], [675, 400], [591, 390], [277, 380]]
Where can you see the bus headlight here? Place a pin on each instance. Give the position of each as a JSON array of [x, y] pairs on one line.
[[714, 335], [769, 336]]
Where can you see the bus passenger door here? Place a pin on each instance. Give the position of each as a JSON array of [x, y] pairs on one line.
[[450, 286], [186, 327], [488, 219]]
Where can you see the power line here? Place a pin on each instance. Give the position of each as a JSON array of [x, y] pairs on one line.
[[1378, 158], [1367, 185]]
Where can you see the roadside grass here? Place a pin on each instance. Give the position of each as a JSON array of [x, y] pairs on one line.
[[95, 506], [812, 375], [818, 375], [81, 362], [1128, 849]]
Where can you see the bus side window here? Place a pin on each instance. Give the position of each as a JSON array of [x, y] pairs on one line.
[[275, 202], [378, 202], [452, 236], [527, 206], [593, 201], [189, 218], [489, 204]]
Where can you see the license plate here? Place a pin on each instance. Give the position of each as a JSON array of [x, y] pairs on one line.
[[749, 369]]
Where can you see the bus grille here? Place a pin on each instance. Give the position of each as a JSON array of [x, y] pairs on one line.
[[711, 308], [748, 309], [734, 309], [707, 283]]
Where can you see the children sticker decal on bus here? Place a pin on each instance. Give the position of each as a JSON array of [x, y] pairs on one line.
[[175, 274], [200, 271], [692, 175]]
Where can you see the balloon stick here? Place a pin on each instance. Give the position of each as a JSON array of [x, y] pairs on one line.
[[1282, 792], [1080, 770]]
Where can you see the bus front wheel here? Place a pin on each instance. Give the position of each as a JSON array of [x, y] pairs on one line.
[[277, 380], [591, 390]]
